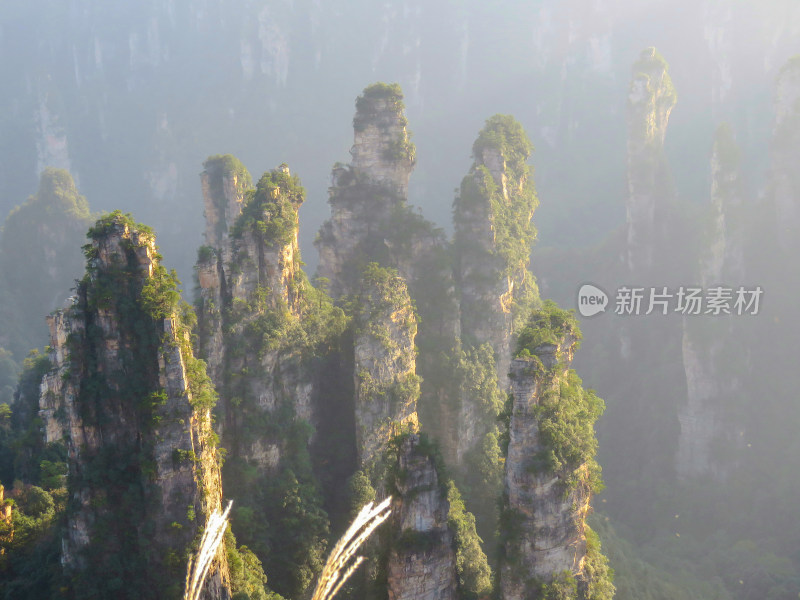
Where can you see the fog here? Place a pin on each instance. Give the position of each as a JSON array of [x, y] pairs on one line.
[[698, 441]]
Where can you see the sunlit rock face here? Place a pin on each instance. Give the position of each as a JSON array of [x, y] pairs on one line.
[[247, 273], [550, 474], [366, 194], [386, 384], [127, 399], [550, 534], [422, 563], [493, 233], [650, 101]]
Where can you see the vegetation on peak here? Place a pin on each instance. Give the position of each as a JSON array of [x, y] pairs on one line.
[[506, 135], [109, 223], [791, 64], [39, 259], [57, 192], [270, 211], [366, 109], [548, 325], [511, 201], [382, 91], [651, 64], [219, 165]]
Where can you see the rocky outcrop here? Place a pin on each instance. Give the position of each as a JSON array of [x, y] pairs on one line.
[[493, 238], [133, 408], [422, 562], [250, 294], [386, 383], [369, 218], [650, 101], [549, 475], [705, 419]]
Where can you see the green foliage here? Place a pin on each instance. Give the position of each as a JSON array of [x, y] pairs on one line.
[[227, 165], [22, 447], [500, 208], [248, 581], [9, 371], [504, 134], [280, 517], [206, 254], [474, 575], [160, 296], [566, 418], [366, 109], [115, 221], [562, 587], [218, 168], [39, 260], [598, 575], [30, 543], [270, 211], [359, 492], [548, 325]]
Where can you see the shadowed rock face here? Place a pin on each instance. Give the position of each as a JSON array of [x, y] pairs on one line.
[[422, 565], [127, 399]]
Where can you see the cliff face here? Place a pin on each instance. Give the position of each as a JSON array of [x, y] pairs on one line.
[[386, 383], [274, 350], [133, 408], [650, 101], [250, 282], [549, 475], [493, 237], [422, 562], [369, 217], [709, 415]]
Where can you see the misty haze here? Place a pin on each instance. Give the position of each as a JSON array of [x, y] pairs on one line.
[[400, 300]]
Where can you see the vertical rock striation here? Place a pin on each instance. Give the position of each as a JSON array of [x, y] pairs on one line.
[[386, 383], [273, 345], [250, 295], [133, 408], [650, 100], [493, 238], [422, 562], [550, 469], [784, 181], [707, 418], [369, 217]]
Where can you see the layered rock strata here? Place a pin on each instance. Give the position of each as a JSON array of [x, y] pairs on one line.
[[133, 408], [422, 562], [549, 476], [386, 383]]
